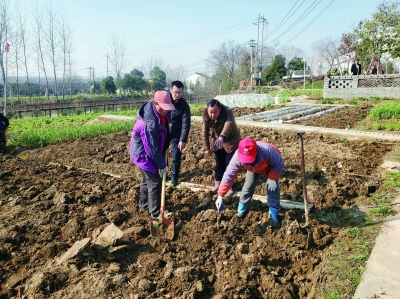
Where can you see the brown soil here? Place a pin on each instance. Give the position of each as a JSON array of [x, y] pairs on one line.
[[346, 118], [58, 195]]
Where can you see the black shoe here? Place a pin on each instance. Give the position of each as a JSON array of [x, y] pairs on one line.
[[174, 182], [242, 215], [274, 224], [143, 209]]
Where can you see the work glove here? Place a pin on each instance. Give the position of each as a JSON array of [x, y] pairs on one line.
[[162, 171], [218, 203], [271, 185], [219, 143]]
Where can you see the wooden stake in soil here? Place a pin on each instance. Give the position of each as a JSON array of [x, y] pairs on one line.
[[303, 175], [163, 227]]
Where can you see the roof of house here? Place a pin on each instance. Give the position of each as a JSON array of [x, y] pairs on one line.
[[301, 73], [200, 74]]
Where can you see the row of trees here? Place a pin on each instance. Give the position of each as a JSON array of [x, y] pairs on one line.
[[232, 62], [43, 40], [133, 82]]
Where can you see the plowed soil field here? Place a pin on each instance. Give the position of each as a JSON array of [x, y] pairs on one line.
[[53, 197]]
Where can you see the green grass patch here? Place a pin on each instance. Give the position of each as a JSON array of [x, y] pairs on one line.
[[385, 111], [296, 92], [382, 211], [345, 265], [315, 85], [333, 295], [346, 259], [197, 110], [393, 179], [42, 131], [354, 231]]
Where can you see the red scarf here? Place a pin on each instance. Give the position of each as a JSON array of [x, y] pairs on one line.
[[163, 119]]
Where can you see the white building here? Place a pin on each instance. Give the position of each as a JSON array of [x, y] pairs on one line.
[[199, 78], [300, 74]]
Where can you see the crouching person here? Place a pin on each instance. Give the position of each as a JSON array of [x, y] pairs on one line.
[[147, 147], [257, 158]]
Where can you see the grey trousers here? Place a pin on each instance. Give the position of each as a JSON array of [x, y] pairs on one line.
[[273, 197], [150, 192]]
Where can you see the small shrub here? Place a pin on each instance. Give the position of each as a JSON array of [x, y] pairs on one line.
[[354, 231], [382, 211], [374, 98], [353, 102], [393, 180], [334, 295]]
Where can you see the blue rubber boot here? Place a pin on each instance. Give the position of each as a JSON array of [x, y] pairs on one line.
[[273, 217], [242, 209]]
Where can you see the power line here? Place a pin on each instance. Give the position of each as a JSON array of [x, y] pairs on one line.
[[298, 20], [276, 27], [308, 25], [192, 40]]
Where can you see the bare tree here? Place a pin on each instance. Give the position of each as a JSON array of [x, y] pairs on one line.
[[69, 52], [150, 63], [178, 73], [328, 47], [52, 41], [347, 48], [4, 24], [225, 61], [290, 52], [15, 40], [38, 31], [21, 27], [66, 48], [118, 57]]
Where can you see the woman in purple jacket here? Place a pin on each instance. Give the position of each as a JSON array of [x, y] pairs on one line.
[[147, 147]]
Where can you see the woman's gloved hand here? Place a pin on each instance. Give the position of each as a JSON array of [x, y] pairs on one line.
[[271, 184]]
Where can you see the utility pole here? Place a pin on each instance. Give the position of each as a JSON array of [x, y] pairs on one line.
[[304, 75], [94, 86], [260, 66], [90, 73], [6, 49], [107, 64], [256, 55], [252, 45]]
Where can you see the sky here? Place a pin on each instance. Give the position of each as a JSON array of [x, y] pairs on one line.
[[182, 33]]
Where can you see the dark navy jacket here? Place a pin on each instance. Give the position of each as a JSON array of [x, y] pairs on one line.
[[180, 120], [3, 122]]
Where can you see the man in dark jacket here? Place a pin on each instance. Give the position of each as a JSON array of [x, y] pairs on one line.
[[179, 128], [356, 68], [3, 126], [146, 148]]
